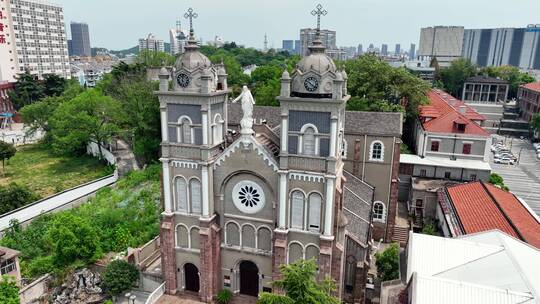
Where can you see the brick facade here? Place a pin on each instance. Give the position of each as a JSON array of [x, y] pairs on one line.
[[168, 258], [210, 246], [394, 188]]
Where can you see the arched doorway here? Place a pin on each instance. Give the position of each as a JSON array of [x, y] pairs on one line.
[[249, 278], [191, 276]]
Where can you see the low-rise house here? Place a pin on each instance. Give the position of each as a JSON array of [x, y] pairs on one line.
[[487, 95], [9, 263], [529, 100], [486, 267], [477, 206]]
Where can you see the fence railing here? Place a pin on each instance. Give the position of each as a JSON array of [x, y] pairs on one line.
[[156, 294], [59, 200]]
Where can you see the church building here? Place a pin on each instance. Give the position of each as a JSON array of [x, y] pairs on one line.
[[249, 188]]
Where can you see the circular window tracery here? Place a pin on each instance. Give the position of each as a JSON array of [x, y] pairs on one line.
[[248, 197]]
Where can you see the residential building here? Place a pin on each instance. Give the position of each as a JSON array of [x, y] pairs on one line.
[[151, 43], [177, 38], [70, 47], [32, 37], [360, 50], [288, 45], [302, 180], [481, 268], [477, 206], [442, 42], [529, 100], [519, 47], [384, 49], [421, 69], [9, 264], [487, 95], [80, 40], [412, 52], [398, 49], [297, 46], [307, 36]]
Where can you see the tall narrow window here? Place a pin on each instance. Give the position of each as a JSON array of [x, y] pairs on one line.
[[181, 194], [195, 192], [217, 129], [377, 151], [309, 141], [297, 210], [435, 146], [314, 220], [467, 148], [378, 211], [184, 133]]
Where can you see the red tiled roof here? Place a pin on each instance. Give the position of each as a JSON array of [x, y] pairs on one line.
[[482, 207], [445, 111], [534, 86]]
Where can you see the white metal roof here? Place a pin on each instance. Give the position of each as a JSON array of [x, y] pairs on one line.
[[480, 265], [444, 162]]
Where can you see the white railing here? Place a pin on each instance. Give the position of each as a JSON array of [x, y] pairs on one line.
[[156, 294], [49, 204]]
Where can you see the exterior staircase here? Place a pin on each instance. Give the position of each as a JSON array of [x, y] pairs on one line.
[[401, 235]]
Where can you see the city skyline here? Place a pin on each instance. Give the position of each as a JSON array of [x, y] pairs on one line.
[[390, 22]]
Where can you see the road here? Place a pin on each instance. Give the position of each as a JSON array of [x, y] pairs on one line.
[[523, 179]]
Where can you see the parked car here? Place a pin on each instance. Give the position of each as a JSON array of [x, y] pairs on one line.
[[503, 155], [505, 161], [536, 145]]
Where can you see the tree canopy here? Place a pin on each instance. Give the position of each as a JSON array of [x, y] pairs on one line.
[[7, 151], [511, 74], [388, 263], [119, 276], [9, 292]]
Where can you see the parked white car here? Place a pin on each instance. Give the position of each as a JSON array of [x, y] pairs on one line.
[[505, 161], [504, 155], [536, 145]]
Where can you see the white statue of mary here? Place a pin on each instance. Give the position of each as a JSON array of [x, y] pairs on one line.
[[247, 108]]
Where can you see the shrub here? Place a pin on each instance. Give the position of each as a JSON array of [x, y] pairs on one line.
[[388, 263], [15, 196], [119, 276], [224, 296], [9, 292]]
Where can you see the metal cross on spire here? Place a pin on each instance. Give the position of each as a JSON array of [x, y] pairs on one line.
[[319, 11], [191, 15]]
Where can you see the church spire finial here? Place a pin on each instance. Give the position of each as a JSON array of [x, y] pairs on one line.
[[191, 15], [319, 11]]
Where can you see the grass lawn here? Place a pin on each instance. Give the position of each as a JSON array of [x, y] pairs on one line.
[[45, 174]]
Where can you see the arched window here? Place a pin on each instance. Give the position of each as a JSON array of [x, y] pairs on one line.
[[379, 212], [232, 234], [181, 194], [196, 195], [194, 238], [312, 252], [264, 239], [182, 238], [297, 210], [184, 130], [309, 142], [314, 219], [248, 236], [344, 147], [217, 129], [296, 252], [376, 151]]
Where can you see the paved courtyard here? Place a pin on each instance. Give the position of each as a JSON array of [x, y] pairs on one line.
[[523, 179]]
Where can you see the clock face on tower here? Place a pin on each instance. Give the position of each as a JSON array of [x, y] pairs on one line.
[[182, 80], [311, 84]]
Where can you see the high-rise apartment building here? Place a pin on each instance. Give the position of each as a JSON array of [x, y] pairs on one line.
[[288, 45], [32, 37], [177, 39], [307, 36], [384, 49], [80, 39], [518, 47], [442, 42], [360, 49], [151, 43], [398, 49], [412, 51], [297, 46]]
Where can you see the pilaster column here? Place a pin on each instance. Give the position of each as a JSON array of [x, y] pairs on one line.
[[204, 126], [333, 136], [282, 200], [205, 192], [167, 187], [164, 128], [284, 133], [329, 206]]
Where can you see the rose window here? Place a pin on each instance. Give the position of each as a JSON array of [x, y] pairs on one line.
[[248, 197]]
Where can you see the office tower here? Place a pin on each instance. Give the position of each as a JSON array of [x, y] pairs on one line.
[[151, 43], [412, 51], [443, 42], [398, 49], [70, 47], [519, 47], [288, 45], [307, 36], [360, 50], [80, 39], [177, 39], [384, 49], [297, 46], [32, 37]]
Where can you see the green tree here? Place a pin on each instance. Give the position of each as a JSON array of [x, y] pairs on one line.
[[54, 84], [38, 114], [388, 263], [14, 196], [119, 276], [300, 286], [7, 151], [9, 292], [89, 117], [535, 122], [511, 74], [454, 76], [154, 58], [28, 89]]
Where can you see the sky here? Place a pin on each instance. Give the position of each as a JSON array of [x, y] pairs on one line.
[[118, 24]]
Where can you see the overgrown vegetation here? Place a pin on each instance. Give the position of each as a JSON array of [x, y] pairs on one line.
[[224, 296], [388, 263], [300, 286], [497, 180], [126, 215], [119, 276], [7, 151], [9, 291], [15, 196]]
